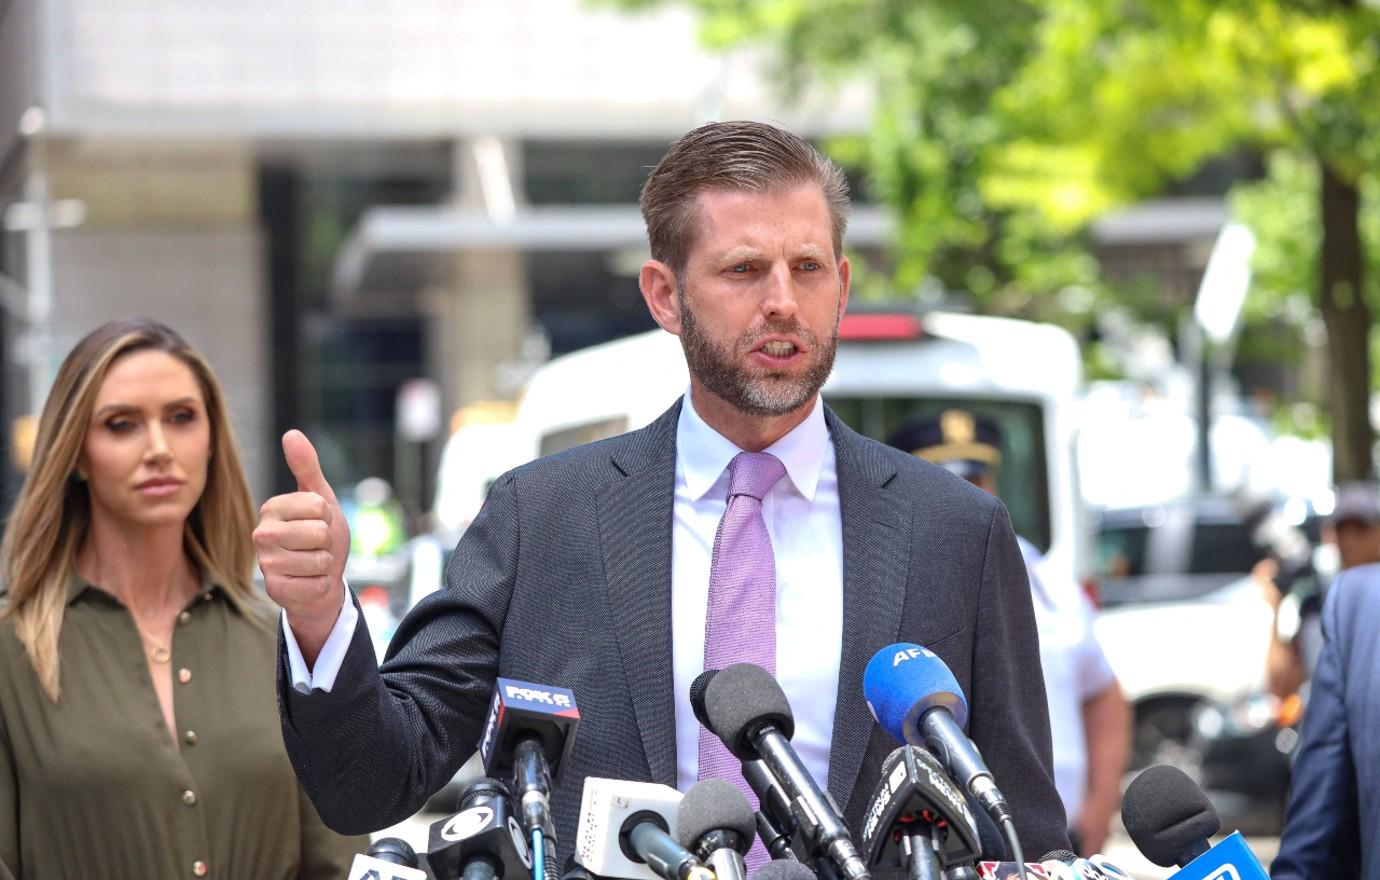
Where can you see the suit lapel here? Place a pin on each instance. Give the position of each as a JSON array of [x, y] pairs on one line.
[[635, 537], [876, 568]]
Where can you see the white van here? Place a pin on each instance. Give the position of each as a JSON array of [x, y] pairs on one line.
[[891, 366]]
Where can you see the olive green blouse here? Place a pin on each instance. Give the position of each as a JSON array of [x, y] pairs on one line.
[[94, 785]]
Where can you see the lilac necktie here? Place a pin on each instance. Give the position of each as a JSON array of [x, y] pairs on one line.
[[740, 626]]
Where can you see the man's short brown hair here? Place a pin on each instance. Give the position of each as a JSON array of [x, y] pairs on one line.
[[732, 156]]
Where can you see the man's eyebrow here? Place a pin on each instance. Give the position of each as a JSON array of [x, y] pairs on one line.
[[740, 254], [814, 251]]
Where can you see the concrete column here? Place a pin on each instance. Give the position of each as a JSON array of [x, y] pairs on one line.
[[479, 322]]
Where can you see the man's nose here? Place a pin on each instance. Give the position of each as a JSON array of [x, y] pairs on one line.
[[779, 298]]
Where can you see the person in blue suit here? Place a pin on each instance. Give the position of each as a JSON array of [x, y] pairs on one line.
[[1332, 827]]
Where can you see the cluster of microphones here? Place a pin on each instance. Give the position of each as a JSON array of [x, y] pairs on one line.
[[936, 812]]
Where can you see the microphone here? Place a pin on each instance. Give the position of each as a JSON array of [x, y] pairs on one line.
[[916, 699], [915, 813], [625, 832], [388, 859], [481, 842], [716, 823], [747, 709], [528, 735], [1170, 820], [776, 826]]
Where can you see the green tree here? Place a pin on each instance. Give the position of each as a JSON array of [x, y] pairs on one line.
[[1003, 127]]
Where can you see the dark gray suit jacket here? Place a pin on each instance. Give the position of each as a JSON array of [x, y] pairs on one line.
[[1332, 827], [565, 578]]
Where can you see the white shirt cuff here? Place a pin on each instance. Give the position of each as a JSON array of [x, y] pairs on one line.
[[322, 675]]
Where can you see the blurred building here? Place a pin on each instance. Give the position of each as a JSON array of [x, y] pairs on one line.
[[332, 197]]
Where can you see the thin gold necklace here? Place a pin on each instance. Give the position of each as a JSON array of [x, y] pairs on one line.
[[158, 650]]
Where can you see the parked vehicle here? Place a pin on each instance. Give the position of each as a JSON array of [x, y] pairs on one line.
[[1187, 630]]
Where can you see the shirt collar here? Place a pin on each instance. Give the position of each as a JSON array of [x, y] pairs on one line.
[[703, 453], [77, 586]]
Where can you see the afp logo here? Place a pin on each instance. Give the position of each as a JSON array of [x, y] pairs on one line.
[[907, 654], [1226, 872]]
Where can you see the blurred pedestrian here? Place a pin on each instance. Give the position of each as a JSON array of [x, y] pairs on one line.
[[139, 731], [1332, 826], [1090, 721], [1296, 638]]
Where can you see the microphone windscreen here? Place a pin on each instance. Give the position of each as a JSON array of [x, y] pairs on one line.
[[697, 695], [395, 851], [1166, 814], [739, 700], [902, 682], [783, 869], [713, 805]]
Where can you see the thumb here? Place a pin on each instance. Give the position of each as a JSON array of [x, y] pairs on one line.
[[305, 466]]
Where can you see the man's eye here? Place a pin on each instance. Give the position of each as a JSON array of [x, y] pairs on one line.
[[741, 269], [810, 266]]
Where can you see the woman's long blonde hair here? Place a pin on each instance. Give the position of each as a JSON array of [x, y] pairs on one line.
[[51, 517]]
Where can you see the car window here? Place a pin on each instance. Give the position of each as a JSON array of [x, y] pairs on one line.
[[1022, 480], [1222, 548]]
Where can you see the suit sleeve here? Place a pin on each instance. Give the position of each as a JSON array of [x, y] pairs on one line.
[[371, 750], [1008, 715], [1321, 836]]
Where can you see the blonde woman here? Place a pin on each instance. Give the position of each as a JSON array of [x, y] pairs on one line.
[[139, 733]]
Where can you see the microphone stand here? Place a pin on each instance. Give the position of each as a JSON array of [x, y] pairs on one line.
[[921, 861]]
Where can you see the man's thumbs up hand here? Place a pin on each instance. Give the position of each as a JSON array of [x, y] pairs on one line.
[[303, 543]]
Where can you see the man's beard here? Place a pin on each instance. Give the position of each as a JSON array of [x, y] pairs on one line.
[[772, 393]]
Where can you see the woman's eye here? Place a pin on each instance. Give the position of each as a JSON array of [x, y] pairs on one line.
[[119, 426], [183, 416]]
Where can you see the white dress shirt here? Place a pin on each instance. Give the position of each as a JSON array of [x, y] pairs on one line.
[[802, 517], [1075, 670], [806, 528]]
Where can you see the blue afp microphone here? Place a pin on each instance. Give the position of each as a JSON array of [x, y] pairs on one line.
[[1170, 820], [916, 699]]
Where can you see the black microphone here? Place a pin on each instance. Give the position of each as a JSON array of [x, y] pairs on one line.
[[776, 826], [388, 858], [1168, 816], [529, 733], [716, 823], [918, 820], [747, 709], [483, 840]]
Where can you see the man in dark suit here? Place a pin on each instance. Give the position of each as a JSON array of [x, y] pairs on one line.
[[1332, 827], [747, 520]]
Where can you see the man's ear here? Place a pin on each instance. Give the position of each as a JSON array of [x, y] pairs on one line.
[[658, 284], [845, 280]]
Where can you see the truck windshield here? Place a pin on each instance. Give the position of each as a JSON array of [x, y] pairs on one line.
[[1022, 479]]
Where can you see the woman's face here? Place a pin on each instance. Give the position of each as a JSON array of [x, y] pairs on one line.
[[148, 444]]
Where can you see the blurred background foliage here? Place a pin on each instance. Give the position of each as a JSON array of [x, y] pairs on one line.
[[1004, 128]]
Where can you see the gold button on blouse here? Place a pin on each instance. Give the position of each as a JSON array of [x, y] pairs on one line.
[[189, 737], [199, 868], [184, 675], [184, 617], [189, 797]]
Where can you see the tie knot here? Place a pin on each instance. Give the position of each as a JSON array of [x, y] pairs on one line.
[[754, 473]]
